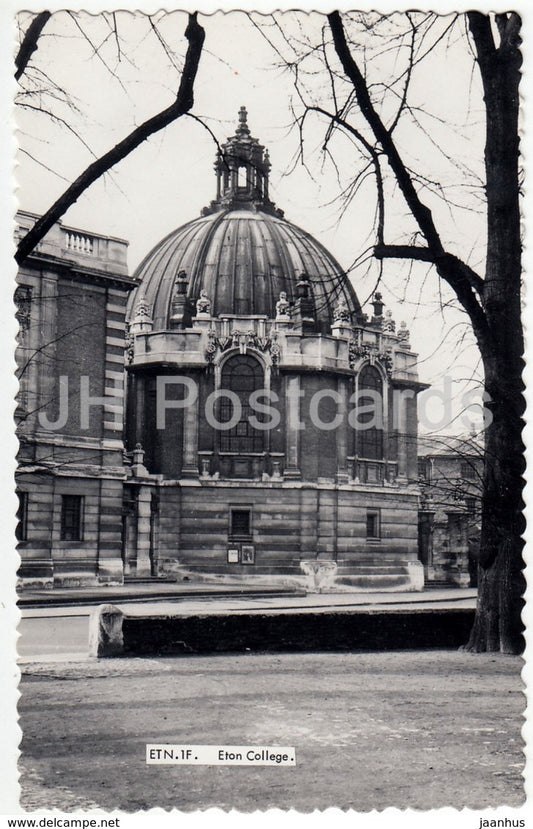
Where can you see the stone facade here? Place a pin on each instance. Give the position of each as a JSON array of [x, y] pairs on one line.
[[450, 474], [238, 300], [71, 304]]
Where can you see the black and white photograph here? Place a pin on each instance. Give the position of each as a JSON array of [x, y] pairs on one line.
[[265, 385]]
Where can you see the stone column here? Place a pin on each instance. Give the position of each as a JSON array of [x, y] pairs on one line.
[[292, 442], [341, 433], [144, 507], [139, 391], [43, 373], [402, 438], [190, 441]]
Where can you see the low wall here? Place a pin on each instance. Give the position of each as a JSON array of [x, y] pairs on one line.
[[299, 631]]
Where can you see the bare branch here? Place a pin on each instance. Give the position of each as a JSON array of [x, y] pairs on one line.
[[456, 273], [184, 101], [30, 42]]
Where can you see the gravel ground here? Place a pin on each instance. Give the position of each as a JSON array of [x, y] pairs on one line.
[[371, 730]]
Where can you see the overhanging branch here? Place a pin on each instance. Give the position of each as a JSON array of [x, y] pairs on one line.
[[30, 42], [195, 34], [424, 254]]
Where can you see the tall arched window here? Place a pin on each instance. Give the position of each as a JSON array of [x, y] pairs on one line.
[[370, 440], [241, 375]]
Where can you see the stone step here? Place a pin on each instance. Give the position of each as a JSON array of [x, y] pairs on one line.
[[374, 581], [368, 569], [128, 579]]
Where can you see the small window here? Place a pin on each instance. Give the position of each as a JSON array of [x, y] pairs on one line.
[[471, 506], [468, 471], [22, 515], [372, 524], [423, 469], [240, 523], [72, 518]]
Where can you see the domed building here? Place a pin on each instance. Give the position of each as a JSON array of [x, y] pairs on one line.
[[271, 424], [229, 412]]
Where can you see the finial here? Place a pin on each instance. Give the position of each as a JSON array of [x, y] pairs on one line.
[[242, 129], [378, 304]]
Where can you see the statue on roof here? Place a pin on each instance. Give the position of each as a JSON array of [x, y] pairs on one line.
[[341, 312], [283, 308], [203, 304]]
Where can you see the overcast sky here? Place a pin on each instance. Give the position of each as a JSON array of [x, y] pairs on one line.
[[167, 180]]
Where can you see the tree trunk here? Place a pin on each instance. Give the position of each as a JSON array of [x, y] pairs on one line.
[[501, 584], [498, 625]]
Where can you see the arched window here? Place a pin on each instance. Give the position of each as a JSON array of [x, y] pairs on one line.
[[370, 440], [241, 375]]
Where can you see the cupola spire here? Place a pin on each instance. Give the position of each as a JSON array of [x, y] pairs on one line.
[[242, 129], [242, 168]]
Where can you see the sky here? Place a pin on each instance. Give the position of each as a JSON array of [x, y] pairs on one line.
[[169, 178]]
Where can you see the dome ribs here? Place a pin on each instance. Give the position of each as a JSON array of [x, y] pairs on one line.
[[173, 259], [244, 275], [260, 273], [274, 269], [243, 258], [287, 281], [197, 275], [333, 271]]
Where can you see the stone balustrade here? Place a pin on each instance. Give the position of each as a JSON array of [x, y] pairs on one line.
[[105, 253]]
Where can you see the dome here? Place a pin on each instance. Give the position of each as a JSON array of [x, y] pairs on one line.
[[242, 252]]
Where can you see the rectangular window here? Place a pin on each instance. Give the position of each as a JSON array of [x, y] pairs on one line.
[[471, 506], [423, 469], [240, 522], [373, 524], [468, 471], [22, 515], [72, 518]]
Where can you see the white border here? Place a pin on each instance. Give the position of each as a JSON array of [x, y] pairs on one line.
[[8, 674]]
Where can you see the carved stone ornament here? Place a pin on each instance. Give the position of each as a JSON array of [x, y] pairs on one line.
[[341, 312], [180, 283], [385, 358], [358, 352], [389, 325], [241, 340], [203, 304], [403, 333], [143, 310], [23, 295], [129, 343], [283, 308]]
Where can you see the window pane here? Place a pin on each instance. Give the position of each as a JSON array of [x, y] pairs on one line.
[[240, 522], [372, 525], [468, 470], [71, 517], [241, 375], [370, 440]]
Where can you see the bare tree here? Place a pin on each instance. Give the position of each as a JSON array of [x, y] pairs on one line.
[[359, 108], [182, 104]]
